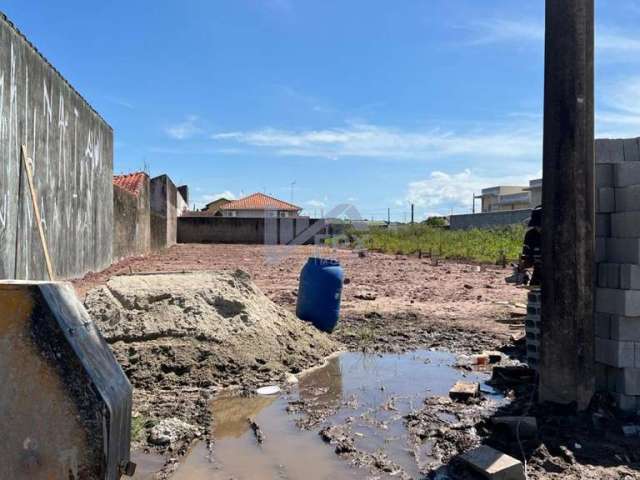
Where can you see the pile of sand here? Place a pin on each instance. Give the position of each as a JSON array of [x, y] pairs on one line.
[[202, 329]]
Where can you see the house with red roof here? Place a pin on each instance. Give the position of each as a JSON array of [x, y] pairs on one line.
[[131, 215], [133, 183], [259, 205]]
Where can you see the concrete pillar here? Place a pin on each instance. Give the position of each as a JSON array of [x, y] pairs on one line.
[[567, 368]]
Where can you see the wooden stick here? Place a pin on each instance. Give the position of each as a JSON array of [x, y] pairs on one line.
[[27, 165]]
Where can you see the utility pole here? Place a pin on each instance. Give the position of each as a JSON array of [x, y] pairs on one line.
[[388, 216], [412, 212], [567, 369]]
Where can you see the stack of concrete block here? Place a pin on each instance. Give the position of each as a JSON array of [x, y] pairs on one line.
[[533, 327], [617, 296]]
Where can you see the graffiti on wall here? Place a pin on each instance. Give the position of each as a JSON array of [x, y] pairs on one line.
[[71, 151]]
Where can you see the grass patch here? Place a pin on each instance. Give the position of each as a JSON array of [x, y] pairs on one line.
[[138, 424], [477, 245]]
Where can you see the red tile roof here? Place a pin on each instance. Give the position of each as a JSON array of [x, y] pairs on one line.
[[132, 182], [260, 201]]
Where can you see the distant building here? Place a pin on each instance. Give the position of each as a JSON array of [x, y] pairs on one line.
[[213, 208], [504, 198], [259, 205], [133, 183], [535, 192]]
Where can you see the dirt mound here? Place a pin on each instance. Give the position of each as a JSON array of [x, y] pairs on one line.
[[178, 336], [201, 329]]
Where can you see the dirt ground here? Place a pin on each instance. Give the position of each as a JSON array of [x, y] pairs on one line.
[[388, 303], [399, 303]]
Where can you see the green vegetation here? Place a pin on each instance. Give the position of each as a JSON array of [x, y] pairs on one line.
[[138, 424], [478, 245]]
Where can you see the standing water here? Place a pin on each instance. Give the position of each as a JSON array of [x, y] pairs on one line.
[[372, 393]]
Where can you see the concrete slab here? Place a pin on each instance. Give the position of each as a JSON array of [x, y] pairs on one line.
[[616, 150], [618, 302], [625, 224], [626, 380], [609, 150], [603, 225], [603, 325], [615, 353], [609, 275], [603, 155], [630, 277], [604, 175], [626, 174], [628, 198], [464, 391], [605, 200], [624, 328], [492, 464], [601, 249], [631, 153], [620, 250]]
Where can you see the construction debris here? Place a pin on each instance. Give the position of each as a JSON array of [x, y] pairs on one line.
[[493, 464], [463, 392], [256, 431]]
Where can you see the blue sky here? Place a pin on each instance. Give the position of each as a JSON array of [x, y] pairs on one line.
[[372, 102]]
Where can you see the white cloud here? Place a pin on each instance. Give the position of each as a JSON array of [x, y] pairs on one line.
[[620, 113], [608, 41], [316, 204], [184, 130], [210, 197], [498, 30], [121, 102], [443, 192], [501, 30], [367, 140]]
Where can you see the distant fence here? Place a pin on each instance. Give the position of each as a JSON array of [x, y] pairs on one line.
[[241, 230], [488, 220]]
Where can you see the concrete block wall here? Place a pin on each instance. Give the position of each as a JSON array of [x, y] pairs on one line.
[[72, 151], [271, 231], [164, 213], [131, 222], [617, 296]]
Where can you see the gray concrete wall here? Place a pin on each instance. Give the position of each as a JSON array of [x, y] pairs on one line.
[[238, 230], [158, 231], [131, 222], [172, 213], [164, 203], [488, 220], [72, 151]]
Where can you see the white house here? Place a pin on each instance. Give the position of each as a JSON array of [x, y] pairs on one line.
[[259, 205]]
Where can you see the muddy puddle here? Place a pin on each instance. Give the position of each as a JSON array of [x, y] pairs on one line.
[[369, 393]]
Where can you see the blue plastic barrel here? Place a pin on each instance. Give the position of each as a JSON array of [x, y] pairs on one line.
[[319, 293]]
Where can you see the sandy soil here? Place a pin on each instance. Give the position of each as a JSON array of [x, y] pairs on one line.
[[181, 337], [460, 296]]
